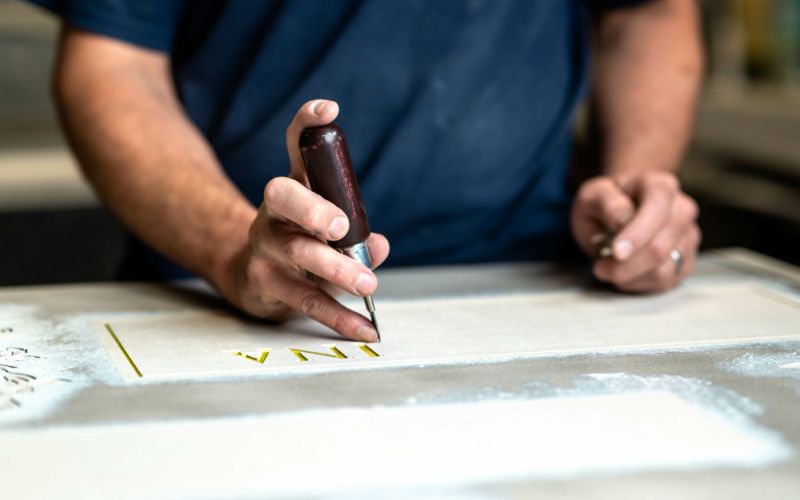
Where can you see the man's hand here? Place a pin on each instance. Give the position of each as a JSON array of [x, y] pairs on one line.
[[640, 219], [287, 266], [646, 79], [118, 104]]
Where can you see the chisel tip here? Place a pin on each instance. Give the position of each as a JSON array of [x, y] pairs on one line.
[[371, 308], [375, 324]]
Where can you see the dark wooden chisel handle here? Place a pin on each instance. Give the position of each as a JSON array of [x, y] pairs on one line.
[[331, 175]]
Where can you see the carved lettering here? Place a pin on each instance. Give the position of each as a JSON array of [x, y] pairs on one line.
[[303, 355], [14, 354], [260, 359], [300, 353], [369, 351]]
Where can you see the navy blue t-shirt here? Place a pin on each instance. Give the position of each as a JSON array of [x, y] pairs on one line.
[[457, 113]]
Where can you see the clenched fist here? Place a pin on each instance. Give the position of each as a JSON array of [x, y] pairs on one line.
[[633, 225]]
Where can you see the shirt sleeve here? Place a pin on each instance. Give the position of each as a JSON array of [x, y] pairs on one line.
[[147, 23]]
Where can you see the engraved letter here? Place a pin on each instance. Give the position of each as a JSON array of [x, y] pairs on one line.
[[300, 353], [260, 360], [369, 351]]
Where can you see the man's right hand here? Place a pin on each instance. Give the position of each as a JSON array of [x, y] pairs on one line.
[[287, 266], [125, 123]]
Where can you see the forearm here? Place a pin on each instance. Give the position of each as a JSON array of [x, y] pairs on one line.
[[145, 159], [647, 75]]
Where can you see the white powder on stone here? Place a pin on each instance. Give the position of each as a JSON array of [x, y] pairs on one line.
[[782, 364], [60, 359], [365, 451]]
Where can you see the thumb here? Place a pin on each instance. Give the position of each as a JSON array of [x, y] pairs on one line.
[[603, 200], [311, 114]]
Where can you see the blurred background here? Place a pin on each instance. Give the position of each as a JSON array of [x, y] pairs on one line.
[[743, 166]]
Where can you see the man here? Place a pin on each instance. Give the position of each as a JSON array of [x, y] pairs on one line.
[[458, 117]]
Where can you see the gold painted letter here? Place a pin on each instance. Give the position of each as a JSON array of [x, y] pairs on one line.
[[260, 360], [369, 351], [300, 353]]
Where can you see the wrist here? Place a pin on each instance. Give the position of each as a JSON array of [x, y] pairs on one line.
[[229, 248], [628, 169]]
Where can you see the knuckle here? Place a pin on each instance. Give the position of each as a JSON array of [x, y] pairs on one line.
[[257, 272], [582, 196], [255, 235], [342, 274], [616, 211], [343, 323], [603, 182], [664, 179], [660, 248], [254, 232], [660, 190], [590, 188], [585, 192], [314, 217], [311, 304], [611, 206], [692, 209], [253, 272], [670, 181], [275, 189], [662, 201], [260, 234], [294, 248]]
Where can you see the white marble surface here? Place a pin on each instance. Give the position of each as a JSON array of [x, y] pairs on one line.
[[588, 393], [190, 344]]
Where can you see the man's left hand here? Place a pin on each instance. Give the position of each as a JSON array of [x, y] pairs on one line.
[[641, 228]]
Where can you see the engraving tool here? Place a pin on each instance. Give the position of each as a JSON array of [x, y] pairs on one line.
[[330, 173]]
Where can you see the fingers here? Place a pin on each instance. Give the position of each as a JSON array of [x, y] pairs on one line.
[[287, 245], [311, 114], [302, 295], [307, 254], [299, 250], [604, 200], [289, 200], [664, 276], [378, 249], [655, 252], [655, 194], [639, 254], [601, 208]]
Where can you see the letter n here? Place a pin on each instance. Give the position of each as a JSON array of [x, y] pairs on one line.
[[300, 353]]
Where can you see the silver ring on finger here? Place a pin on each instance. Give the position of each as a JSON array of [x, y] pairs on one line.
[[677, 257]]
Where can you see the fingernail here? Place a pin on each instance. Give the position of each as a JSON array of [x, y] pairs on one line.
[[606, 252], [367, 334], [338, 227], [322, 107], [365, 284], [623, 249]]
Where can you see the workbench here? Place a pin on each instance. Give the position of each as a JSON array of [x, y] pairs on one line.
[[493, 381]]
